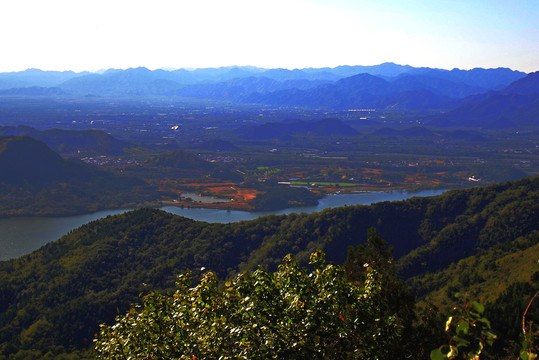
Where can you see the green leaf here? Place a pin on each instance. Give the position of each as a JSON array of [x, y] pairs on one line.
[[477, 306], [460, 341], [486, 322], [462, 328], [436, 354]]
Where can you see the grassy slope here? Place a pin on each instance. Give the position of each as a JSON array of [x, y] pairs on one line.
[[486, 275]]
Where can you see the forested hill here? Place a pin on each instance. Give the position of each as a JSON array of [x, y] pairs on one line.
[[34, 180], [54, 298], [85, 142]]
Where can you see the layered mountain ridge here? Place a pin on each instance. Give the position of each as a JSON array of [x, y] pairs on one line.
[[251, 80], [487, 98]]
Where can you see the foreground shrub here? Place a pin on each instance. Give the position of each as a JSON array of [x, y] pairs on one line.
[[292, 313]]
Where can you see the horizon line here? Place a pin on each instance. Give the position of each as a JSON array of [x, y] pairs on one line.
[[190, 68]]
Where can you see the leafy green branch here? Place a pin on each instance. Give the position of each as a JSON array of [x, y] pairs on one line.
[[470, 331], [292, 313]]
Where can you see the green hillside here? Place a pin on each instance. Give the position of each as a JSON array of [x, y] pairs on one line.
[[485, 275], [505, 278], [55, 298]]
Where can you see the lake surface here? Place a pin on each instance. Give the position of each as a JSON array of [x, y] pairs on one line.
[[20, 236], [330, 201]]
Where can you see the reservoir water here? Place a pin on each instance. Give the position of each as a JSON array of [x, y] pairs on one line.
[[20, 236]]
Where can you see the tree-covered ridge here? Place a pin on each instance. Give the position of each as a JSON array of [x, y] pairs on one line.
[[276, 197], [87, 142], [505, 278], [34, 180], [70, 286], [489, 215], [485, 274], [427, 234], [88, 275]]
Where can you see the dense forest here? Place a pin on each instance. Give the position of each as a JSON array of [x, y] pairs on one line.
[[53, 300]]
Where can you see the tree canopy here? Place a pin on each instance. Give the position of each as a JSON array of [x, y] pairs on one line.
[[292, 313]]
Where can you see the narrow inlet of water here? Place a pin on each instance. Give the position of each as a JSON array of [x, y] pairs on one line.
[[20, 236]]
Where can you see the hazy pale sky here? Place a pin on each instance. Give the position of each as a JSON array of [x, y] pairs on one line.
[[91, 35]]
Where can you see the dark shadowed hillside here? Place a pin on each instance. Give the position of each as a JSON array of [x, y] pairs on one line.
[[86, 142], [514, 106], [34, 180], [25, 160]]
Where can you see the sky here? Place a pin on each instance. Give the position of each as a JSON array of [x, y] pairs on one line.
[[82, 35]]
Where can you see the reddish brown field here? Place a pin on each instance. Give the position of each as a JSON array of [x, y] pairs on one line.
[[373, 171], [237, 196], [240, 195]]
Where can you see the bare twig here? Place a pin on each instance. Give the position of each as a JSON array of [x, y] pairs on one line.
[[525, 312]]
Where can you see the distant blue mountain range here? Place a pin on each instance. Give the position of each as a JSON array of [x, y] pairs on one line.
[[462, 97], [162, 81]]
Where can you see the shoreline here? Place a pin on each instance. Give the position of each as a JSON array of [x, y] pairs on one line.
[[243, 205]]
